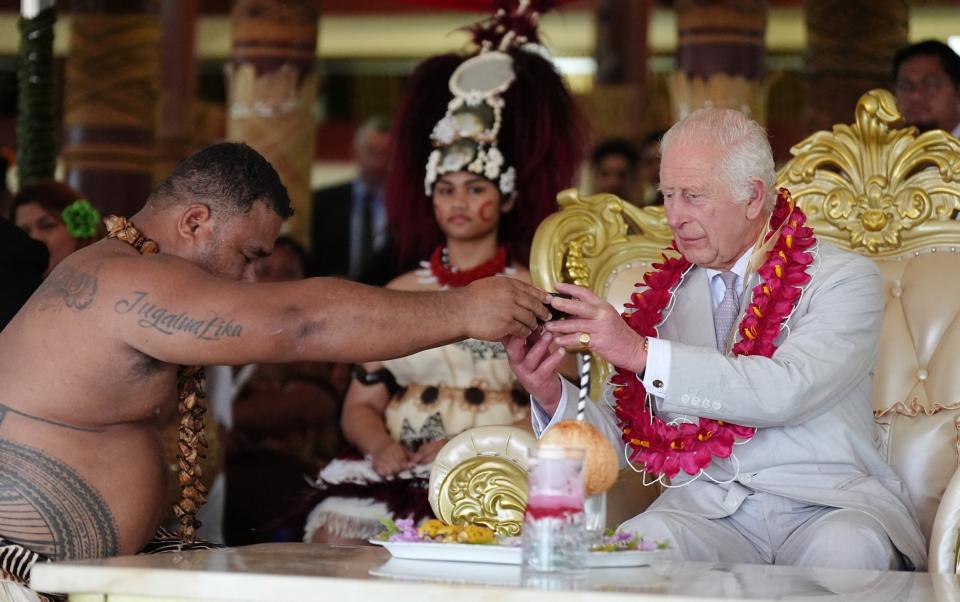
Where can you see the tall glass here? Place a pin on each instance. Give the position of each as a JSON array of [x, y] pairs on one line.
[[595, 517], [553, 528]]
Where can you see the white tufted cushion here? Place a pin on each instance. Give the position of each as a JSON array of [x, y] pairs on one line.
[[916, 383], [622, 282]]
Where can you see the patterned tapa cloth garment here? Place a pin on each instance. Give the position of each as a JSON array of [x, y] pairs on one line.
[[441, 393]]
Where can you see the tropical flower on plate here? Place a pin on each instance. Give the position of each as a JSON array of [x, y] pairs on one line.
[[622, 541]]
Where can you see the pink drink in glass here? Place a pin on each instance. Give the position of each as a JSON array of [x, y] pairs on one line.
[[553, 529]]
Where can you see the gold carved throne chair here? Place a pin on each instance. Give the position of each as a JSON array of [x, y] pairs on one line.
[[893, 195]]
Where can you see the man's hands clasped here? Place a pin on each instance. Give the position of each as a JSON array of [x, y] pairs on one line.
[[592, 322], [607, 334]]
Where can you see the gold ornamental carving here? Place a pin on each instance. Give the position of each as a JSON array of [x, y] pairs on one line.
[[485, 490], [874, 188], [583, 241]]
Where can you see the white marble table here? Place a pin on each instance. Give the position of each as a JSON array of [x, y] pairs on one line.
[[283, 572]]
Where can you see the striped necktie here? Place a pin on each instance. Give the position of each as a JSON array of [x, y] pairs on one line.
[[726, 313]]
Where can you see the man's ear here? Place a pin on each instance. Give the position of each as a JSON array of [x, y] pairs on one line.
[[756, 201], [194, 220]]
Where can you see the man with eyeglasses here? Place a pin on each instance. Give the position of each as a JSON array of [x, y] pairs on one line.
[[927, 84]]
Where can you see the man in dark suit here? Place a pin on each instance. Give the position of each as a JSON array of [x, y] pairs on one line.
[[22, 264], [349, 229]]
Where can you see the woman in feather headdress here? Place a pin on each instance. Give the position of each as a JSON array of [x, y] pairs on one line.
[[483, 144]]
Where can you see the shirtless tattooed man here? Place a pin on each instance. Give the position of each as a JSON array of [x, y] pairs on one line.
[[88, 367]]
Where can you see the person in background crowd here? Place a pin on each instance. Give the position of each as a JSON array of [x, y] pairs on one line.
[[349, 224], [56, 215], [648, 170], [926, 80], [614, 168], [23, 261], [285, 425]]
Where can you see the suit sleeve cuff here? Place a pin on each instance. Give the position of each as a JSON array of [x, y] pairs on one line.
[[656, 376], [541, 420]]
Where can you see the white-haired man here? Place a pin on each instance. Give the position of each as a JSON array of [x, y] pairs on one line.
[[808, 487]]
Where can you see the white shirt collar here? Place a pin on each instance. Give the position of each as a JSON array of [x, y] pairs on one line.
[[739, 268], [716, 286]]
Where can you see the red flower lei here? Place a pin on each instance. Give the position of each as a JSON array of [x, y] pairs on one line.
[[447, 276], [665, 449]]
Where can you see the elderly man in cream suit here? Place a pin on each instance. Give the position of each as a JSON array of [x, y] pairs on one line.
[[810, 488]]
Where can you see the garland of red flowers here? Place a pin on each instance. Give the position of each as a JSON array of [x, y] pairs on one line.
[[448, 276], [665, 449]]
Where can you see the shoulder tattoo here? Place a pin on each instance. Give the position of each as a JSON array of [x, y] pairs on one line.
[[69, 287]]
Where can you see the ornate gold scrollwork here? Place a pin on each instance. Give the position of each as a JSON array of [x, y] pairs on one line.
[[582, 242], [875, 188], [485, 490], [582, 229]]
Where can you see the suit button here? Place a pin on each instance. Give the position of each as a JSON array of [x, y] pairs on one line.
[[658, 383], [717, 405], [685, 398]]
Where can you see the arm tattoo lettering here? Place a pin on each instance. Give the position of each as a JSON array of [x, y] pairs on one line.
[[169, 322], [73, 288], [47, 507]]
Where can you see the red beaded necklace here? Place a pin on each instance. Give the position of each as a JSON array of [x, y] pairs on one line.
[[447, 275]]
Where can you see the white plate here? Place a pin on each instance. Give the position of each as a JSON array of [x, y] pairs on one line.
[[449, 572], [496, 554]]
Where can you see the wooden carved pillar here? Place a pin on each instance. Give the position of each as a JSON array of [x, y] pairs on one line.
[[178, 74], [850, 48], [36, 101], [617, 105], [110, 103], [721, 56], [272, 87]]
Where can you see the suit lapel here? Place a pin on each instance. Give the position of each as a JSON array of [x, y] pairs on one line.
[[691, 321]]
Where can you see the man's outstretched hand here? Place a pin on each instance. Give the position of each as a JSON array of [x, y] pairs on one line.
[[495, 307]]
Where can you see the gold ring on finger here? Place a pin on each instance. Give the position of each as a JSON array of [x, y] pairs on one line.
[[584, 338]]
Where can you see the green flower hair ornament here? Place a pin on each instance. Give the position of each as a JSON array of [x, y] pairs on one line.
[[81, 219]]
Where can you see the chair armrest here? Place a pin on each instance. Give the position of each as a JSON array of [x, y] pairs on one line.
[[943, 554]]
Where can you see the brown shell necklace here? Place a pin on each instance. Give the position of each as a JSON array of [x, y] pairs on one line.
[[191, 405]]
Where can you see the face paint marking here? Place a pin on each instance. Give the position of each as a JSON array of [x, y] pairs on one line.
[[486, 211]]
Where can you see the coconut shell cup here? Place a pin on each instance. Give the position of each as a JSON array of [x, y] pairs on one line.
[[601, 464]]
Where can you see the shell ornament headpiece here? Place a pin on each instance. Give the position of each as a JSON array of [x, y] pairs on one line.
[[465, 139]]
